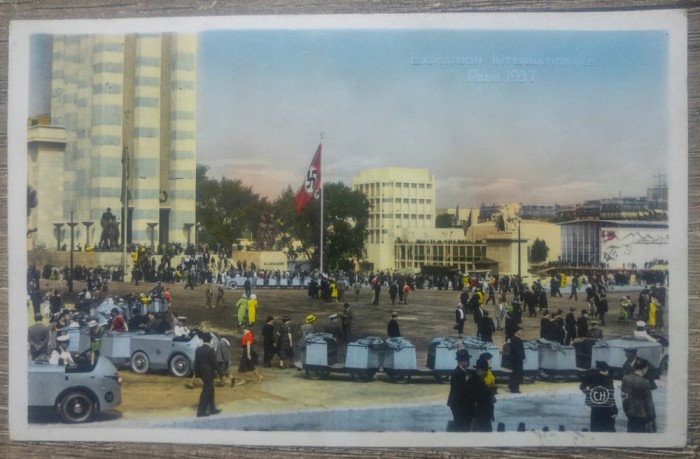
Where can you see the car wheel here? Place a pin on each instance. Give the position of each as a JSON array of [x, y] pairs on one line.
[[76, 407], [362, 377], [398, 378], [232, 285], [315, 375], [139, 362], [180, 366], [445, 379]]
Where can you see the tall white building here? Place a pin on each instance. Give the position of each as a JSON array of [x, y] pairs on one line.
[[400, 199], [119, 100]]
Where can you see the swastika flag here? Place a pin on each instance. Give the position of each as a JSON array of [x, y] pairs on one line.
[[311, 184]]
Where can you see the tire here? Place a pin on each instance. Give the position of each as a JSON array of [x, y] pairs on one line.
[[76, 406], [180, 366], [139, 362], [444, 379], [315, 375], [398, 378], [362, 377], [233, 285]]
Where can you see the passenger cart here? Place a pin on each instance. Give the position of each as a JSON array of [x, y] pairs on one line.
[[400, 359], [362, 360]]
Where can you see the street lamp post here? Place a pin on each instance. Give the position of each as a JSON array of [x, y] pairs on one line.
[[519, 278], [72, 225], [87, 233]]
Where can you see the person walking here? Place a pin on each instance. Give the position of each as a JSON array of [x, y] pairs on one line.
[[252, 309], [205, 367], [242, 310], [459, 319], [346, 322], [458, 399], [517, 356], [481, 398], [392, 328], [597, 385], [637, 401], [285, 343], [570, 326], [249, 359], [574, 288], [268, 333]]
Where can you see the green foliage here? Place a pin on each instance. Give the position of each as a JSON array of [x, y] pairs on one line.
[[226, 209], [345, 219], [539, 251]]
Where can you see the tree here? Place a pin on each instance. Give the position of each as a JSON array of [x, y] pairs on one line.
[[345, 219], [226, 209], [539, 251]]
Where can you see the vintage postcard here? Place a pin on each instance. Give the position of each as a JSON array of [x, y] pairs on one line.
[[429, 230]]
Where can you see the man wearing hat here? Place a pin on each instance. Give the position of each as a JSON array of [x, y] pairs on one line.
[[517, 356], [632, 359], [582, 324], [285, 343], [205, 366], [268, 333], [458, 399], [304, 331], [481, 398], [38, 336], [570, 326], [60, 355], [637, 401], [392, 328], [641, 332], [598, 387]]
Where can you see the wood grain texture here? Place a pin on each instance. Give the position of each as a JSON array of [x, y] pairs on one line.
[[79, 9]]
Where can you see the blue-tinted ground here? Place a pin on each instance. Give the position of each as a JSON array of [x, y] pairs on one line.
[[536, 409]]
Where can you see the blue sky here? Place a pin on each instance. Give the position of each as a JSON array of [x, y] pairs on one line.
[[591, 129], [590, 120]]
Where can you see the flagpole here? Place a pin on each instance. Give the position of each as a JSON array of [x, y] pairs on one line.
[[321, 241]]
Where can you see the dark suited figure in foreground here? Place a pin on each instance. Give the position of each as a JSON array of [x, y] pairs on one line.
[[481, 398], [458, 400], [637, 401], [517, 355], [205, 367], [598, 387]]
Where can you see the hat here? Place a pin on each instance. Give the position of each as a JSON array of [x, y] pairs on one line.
[[206, 337], [38, 317], [641, 324], [181, 318], [462, 355], [631, 349], [481, 364], [92, 323], [602, 365], [253, 297], [286, 319], [486, 356], [310, 319], [114, 311], [63, 338], [394, 314], [269, 318]]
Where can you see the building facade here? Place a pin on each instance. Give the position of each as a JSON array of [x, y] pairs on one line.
[[614, 243], [126, 106]]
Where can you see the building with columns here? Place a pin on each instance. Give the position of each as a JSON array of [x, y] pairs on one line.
[[122, 122]]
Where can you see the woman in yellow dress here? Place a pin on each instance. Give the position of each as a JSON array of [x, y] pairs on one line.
[[653, 307], [252, 308]]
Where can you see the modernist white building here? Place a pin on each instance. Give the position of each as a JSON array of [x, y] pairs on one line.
[[119, 103]]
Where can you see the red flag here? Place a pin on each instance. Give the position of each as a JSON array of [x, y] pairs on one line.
[[311, 184]]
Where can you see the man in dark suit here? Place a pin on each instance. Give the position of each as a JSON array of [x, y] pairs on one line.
[[392, 328], [637, 400], [458, 400], [517, 355], [205, 367]]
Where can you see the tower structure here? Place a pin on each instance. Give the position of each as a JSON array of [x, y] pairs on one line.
[[127, 105]]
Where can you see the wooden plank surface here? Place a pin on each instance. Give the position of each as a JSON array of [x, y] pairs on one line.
[[78, 9]]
